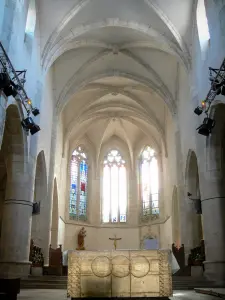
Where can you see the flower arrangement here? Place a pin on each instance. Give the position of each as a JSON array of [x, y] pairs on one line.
[[37, 257]]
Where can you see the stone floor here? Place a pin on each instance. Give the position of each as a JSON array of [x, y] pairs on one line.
[[61, 295]]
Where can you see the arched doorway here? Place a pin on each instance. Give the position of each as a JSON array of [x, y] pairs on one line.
[[192, 187], [175, 218], [40, 193], [55, 217]]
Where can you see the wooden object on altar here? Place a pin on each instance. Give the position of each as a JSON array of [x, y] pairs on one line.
[[55, 262], [121, 273], [9, 288]]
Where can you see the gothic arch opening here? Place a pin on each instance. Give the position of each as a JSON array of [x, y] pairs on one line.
[[55, 217], [40, 193], [192, 185], [175, 218]]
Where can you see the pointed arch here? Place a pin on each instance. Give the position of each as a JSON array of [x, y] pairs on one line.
[[192, 186], [40, 193], [191, 174]]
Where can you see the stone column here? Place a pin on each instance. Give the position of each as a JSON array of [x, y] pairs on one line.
[[213, 209], [16, 222], [47, 221], [161, 186], [3, 103]]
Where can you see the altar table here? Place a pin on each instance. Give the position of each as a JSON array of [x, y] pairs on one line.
[[121, 273]]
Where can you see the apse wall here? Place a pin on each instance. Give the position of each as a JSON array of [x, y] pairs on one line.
[[97, 238], [61, 232], [98, 233]]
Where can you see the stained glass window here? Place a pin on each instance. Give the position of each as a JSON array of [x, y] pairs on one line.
[[114, 206], [78, 185], [149, 184]]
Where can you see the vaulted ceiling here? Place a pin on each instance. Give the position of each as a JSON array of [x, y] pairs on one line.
[[116, 65]]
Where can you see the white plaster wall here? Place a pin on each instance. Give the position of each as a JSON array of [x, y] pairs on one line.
[[98, 238], [61, 232], [46, 118], [169, 166], [166, 240]]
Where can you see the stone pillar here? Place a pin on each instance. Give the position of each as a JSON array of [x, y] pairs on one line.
[[47, 221], [213, 209], [16, 222], [133, 206], [3, 103], [161, 186]]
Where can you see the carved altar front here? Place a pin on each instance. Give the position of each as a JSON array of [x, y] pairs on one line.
[[127, 273]]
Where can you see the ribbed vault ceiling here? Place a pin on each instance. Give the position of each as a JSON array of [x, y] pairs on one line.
[[116, 66]]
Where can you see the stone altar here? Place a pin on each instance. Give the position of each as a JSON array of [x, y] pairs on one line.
[[121, 273]]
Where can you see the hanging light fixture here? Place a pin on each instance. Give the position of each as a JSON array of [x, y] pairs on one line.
[[206, 127]]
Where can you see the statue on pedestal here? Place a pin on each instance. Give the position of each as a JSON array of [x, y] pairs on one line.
[[80, 239]]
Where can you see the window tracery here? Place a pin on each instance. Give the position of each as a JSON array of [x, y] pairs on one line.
[[114, 204], [149, 184], [78, 185]]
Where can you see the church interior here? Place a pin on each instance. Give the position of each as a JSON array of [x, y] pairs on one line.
[[112, 136]]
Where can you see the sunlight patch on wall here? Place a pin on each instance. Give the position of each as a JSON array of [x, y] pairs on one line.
[[203, 28], [31, 18]]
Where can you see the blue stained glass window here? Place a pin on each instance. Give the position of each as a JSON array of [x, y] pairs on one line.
[[149, 184], [79, 184]]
